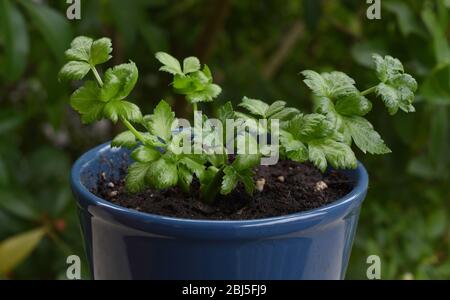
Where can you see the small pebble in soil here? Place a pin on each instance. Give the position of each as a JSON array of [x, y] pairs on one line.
[[320, 186], [280, 178], [260, 184]]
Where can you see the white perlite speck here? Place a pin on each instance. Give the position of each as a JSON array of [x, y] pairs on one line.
[[320, 186], [260, 184]]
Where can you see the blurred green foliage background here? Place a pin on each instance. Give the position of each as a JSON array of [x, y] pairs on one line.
[[255, 48]]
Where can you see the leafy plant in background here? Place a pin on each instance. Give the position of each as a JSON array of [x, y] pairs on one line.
[[404, 219], [52, 26], [305, 137], [422, 233], [38, 226]]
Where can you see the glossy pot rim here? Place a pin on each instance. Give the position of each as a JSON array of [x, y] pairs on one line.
[[179, 227]]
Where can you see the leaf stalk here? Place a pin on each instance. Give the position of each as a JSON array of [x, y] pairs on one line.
[[369, 91]]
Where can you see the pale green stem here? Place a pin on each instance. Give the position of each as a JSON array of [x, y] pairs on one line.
[[210, 192], [194, 107], [97, 76], [131, 128], [368, 91]]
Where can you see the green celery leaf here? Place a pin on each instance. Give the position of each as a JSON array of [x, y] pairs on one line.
[[111, 86], [353, 104], [396, 88], [125, 139], [119, 81], [331, 85], [208, 175], [195, 167], [229, 182], [190, 65], [246, 177], [317, 157], [162, 174], [295, 149], [313, 137], [226, 112], [246, 161], [217, 159], [80, 49], [85, 49], [74, 70], [152, 140], [242, 116], [207, 73], [100, 51], [207, 94], [310, 127], [285, 114], [184, 178], [170, 63], [183, 84], [336, 93], [135, 179], [145, 154], [187, 166], [116, 109], [387, 67], [340, 84], [338, 154], [343, 105], [316, 83], [365, 136], [254, 106], [231, 178], [275, 108], [161, 122], [85, 101], [347, 119], [197, 86], [211, 183]]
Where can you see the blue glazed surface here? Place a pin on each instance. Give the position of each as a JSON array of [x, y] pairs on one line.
[[127, 244]]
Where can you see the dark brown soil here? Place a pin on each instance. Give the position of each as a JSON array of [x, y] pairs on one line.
[[287, 187]]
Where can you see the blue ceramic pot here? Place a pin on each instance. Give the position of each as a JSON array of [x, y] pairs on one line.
[[127, 244]]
